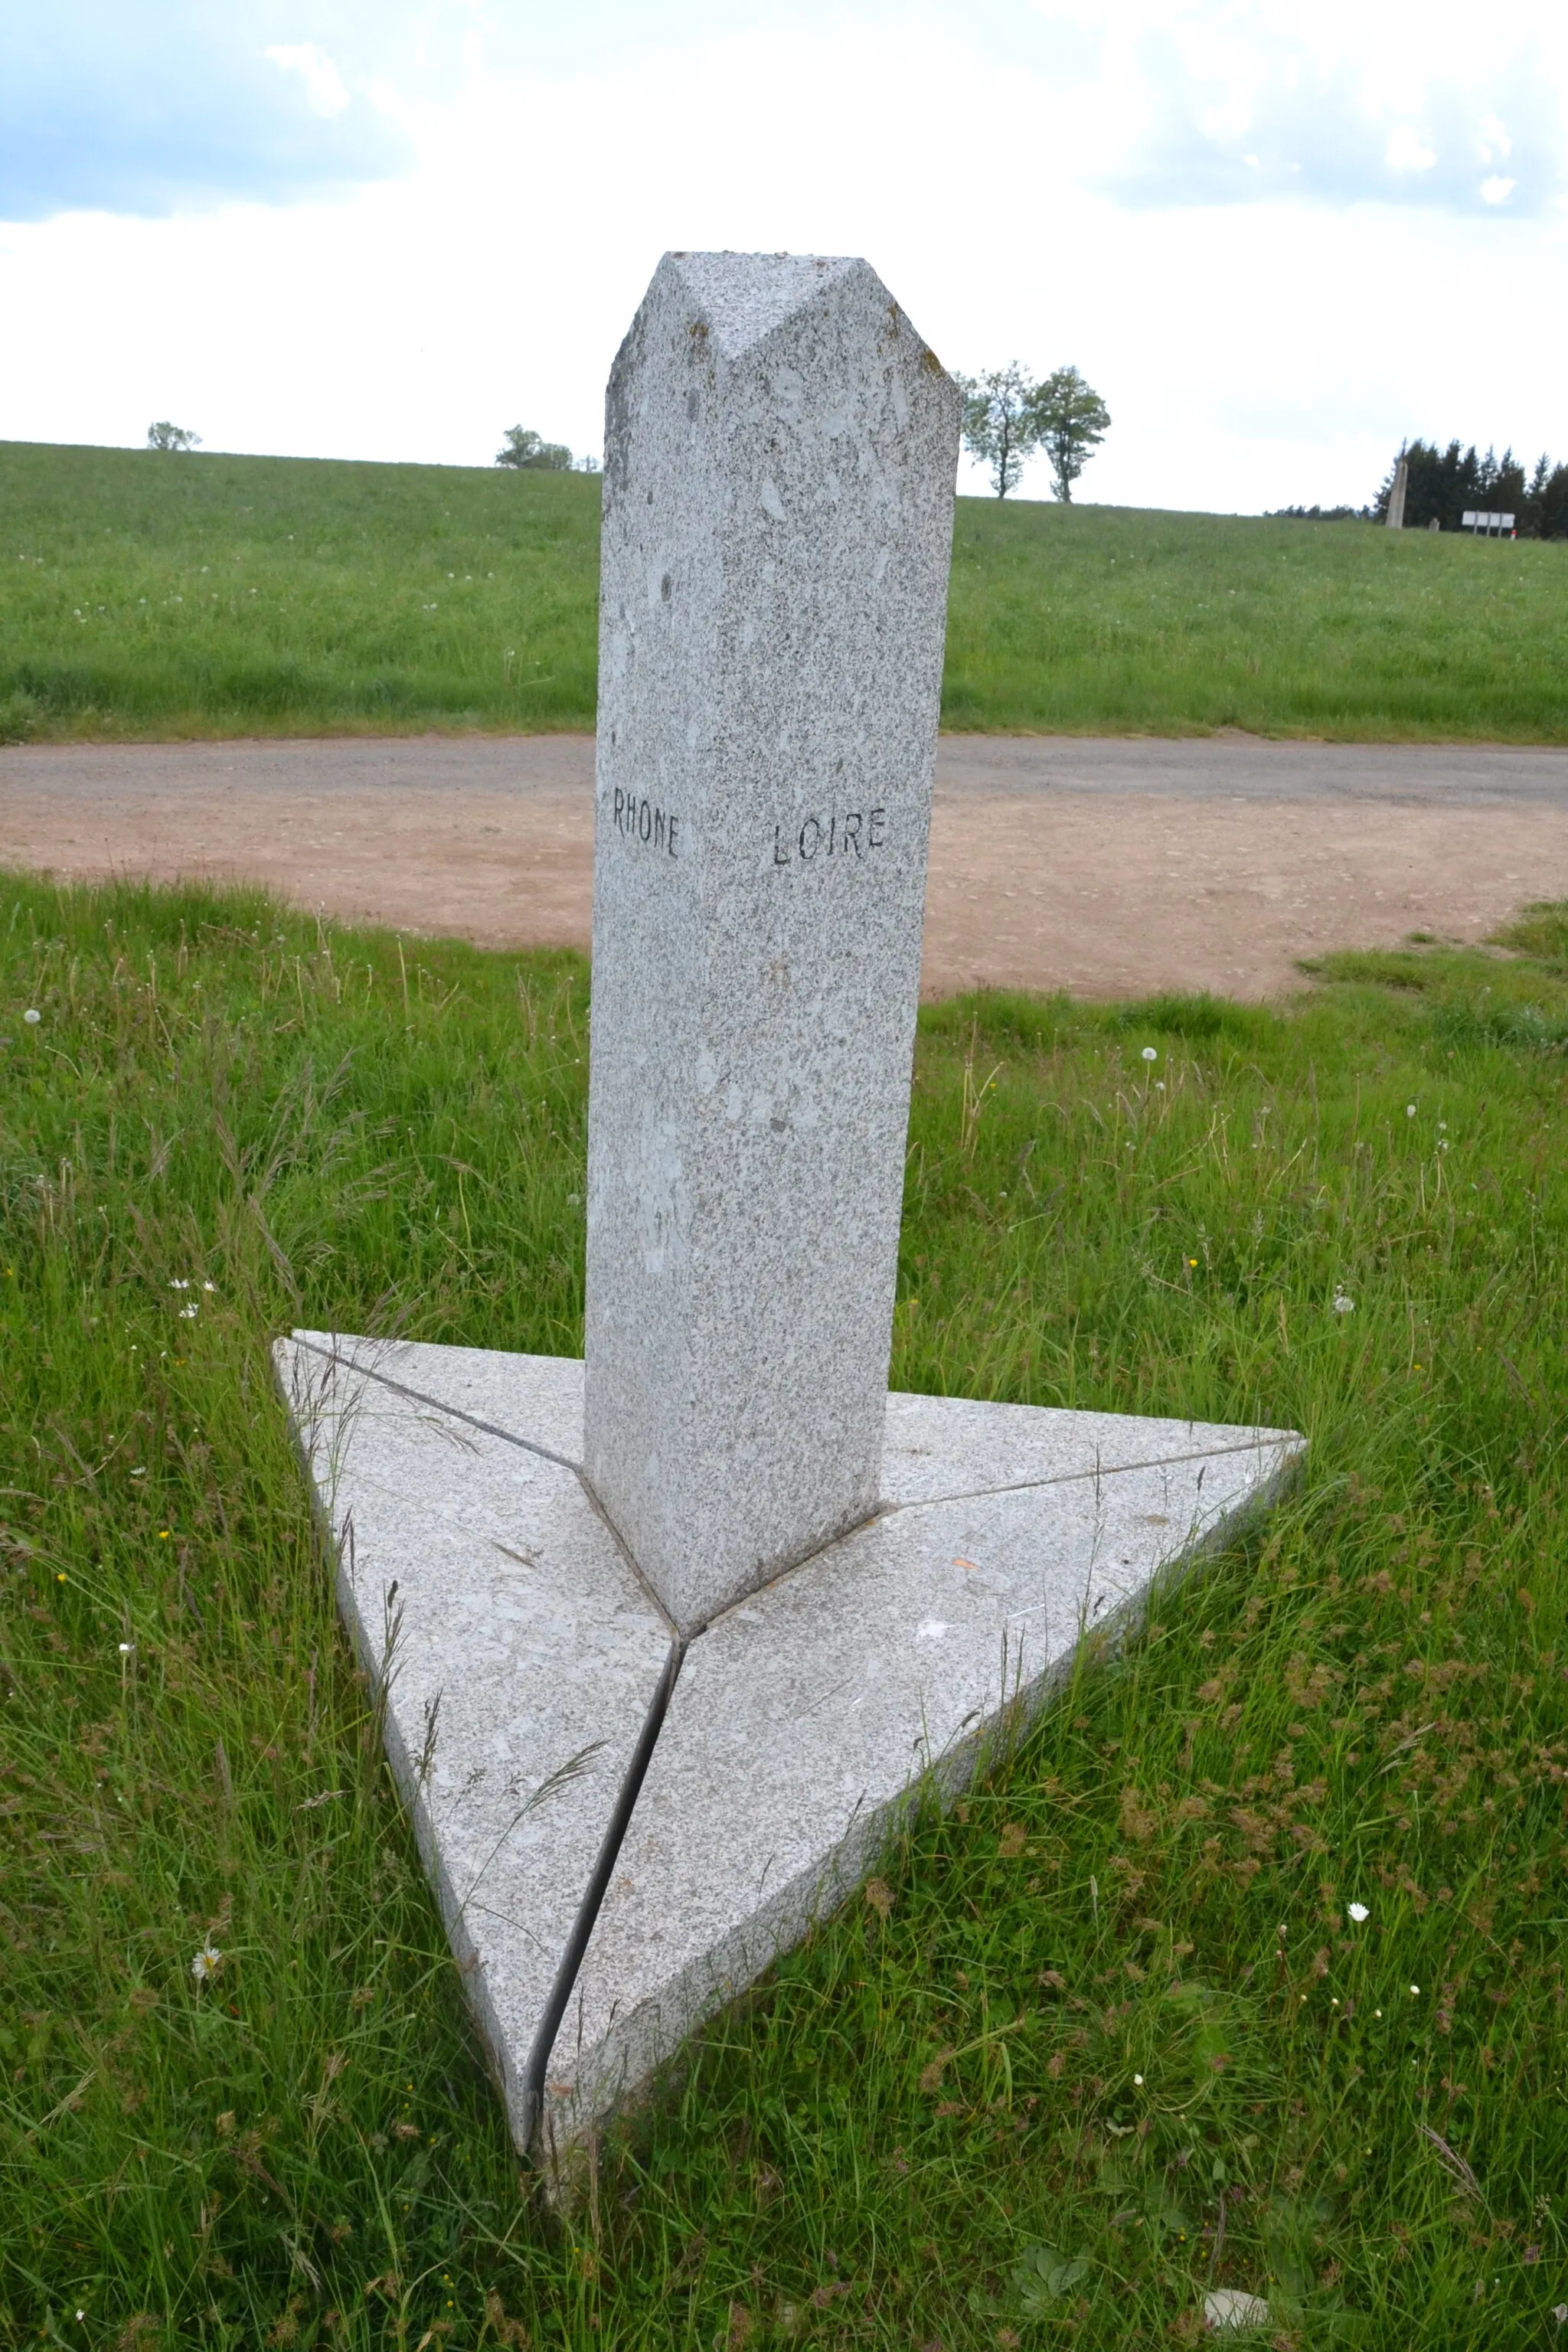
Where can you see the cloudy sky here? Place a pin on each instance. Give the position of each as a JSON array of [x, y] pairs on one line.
[[1275, 234]]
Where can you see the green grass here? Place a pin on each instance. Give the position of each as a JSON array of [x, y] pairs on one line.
[[263, 595], [1104, 620], [155, 596], [928, 2127]]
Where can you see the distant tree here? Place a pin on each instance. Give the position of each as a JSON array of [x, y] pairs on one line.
[[1538, 486], [165, 436], [1544, 513], [1006, 418], [530, 454], [999, 426], [1070, 421]]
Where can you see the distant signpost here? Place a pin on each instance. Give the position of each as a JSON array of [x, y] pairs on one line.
[[1489, 526]]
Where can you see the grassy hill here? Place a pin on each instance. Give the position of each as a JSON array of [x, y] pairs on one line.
[[155, 596]]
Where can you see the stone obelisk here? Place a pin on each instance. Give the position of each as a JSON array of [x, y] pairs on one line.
[[629, 1793], [1396, 496], [780, 454]]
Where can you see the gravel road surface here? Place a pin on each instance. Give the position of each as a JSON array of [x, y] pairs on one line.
[[1109, 866]]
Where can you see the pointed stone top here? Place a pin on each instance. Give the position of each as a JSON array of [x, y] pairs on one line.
[[744, 295]]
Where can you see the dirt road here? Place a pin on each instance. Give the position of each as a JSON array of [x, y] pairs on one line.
[[1110, 867]]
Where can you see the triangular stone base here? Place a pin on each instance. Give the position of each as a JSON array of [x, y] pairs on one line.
[[622, 1833]]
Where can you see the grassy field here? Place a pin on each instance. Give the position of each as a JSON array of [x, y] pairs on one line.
[[1111, 2037], [147, 595]]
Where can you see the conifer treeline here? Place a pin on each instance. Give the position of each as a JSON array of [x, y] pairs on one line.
[[1442, 485]]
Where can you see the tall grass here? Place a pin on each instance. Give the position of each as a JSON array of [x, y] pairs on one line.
[[1104, 620], [147, 595], [1106, 2040]]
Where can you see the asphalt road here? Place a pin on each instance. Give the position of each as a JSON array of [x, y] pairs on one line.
[[1227, 766]]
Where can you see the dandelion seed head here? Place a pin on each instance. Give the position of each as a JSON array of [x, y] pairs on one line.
[[1151, 1053], [1342, 1302], [1409, 1110], [1415, 1988], [127, 1649], [32, 1016]]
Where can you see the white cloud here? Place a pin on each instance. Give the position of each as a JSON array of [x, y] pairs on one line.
[[1407, 150], [1497, 190], [1253, 353], [174, 105], [1321, 98], [324, 91]]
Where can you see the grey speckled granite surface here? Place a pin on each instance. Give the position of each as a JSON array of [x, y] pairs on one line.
[[668, 1639], [524, 1649], [805, 1717], [597, 1924], [779, 467]]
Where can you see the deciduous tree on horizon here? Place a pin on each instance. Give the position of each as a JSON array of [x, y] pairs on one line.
[[999, 429], [531, 453], [1071, 420], [165, 436], [1006, 418]]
